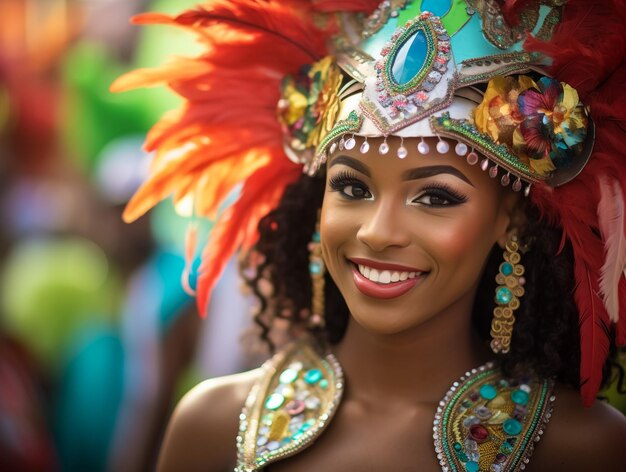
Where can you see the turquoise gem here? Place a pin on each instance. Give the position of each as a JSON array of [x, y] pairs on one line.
[[410, 58], [503, 296], [297, 435], [288, 376], [506, 268], [313, 376], [520, 397], [471, 466], [274, 401], [316, 237], [315, 268], [457, 446], [463, 457], [512, 427], [310, 422], [324, 384], [437, 7], [488, 392]]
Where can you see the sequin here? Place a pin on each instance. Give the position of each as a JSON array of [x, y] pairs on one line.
[[493, 172], [384, 148], [350, 143], [274, 401], [402, 152], [364, 147], [288, 376], [488, 392]]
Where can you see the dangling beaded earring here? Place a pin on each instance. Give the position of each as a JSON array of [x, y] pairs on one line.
[[317, 270], [510, 289]]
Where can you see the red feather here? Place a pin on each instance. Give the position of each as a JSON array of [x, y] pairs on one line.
[[226, 135], [588, 52]]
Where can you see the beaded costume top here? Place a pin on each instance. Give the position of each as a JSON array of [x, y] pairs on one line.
[[485, 422]]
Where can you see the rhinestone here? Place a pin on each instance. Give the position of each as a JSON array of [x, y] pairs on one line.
[[350, 143], [488, 392], [273, 445], [460, 149], [517, 185], [442, 147], [525, 388], [312, 403], [512, 427], [364, 147], [478, 433], [505, 180], [472, 158], [484, 164], [527, 191], [333, 148], [294, 407], [493, 172], [274, 401], [313, 376], [262, 441], [288, 376], [402, 152], [423, 147], [384, 148], [342, 144], [519, 397]]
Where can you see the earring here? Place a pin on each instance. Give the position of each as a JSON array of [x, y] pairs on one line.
[[317, 270], [508, 293]]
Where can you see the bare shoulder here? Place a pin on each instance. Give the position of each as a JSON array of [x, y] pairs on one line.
[[579, 438], [201, 433]]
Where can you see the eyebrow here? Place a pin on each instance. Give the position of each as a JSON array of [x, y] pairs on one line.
[[430, 171], [411, 174]]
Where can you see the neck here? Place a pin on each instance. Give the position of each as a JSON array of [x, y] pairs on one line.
[[414, 366]]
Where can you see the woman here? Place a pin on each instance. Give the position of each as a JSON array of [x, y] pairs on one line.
[[464, 194]]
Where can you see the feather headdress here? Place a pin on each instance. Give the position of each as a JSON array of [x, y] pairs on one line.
[[231, 135]]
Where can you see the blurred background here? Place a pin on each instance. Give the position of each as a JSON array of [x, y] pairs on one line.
[[97, 338]]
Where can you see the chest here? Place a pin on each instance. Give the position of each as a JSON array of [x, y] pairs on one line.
[[361, 438]]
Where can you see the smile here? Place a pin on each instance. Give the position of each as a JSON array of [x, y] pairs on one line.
[[379, 280]]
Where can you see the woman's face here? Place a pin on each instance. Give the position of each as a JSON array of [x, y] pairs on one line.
[[407, 239]]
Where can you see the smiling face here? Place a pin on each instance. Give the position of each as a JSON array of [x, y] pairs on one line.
[[406, 240]]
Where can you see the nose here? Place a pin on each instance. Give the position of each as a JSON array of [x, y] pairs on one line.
[[384, 226]]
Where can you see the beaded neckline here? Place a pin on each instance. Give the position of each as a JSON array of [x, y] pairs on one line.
[[484, 423]]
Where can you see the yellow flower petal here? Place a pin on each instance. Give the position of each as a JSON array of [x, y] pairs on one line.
[[570, 97]]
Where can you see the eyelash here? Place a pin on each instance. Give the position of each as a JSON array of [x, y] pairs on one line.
[[341, 181], [444, 192]]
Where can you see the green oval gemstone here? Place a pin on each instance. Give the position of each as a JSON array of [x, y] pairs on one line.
[[462, 457], [488, 392], [457, 446], [506, 448], [313, 376], [520, 397], [506, 268], [503, 295], [288, 376], [274, 401], [512, 427]]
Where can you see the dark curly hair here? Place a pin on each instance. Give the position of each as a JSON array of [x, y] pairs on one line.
[[546, 337]]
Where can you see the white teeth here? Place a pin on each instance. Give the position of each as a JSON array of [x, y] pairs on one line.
[[385, 276]]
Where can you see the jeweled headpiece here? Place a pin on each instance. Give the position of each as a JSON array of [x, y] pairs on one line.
[[538, 87]]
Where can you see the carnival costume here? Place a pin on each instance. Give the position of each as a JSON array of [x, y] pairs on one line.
[[532, 91]]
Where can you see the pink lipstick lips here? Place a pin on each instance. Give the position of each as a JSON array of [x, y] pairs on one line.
[[384, 281]]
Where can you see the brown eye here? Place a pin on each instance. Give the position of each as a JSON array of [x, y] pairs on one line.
[[356, 191]]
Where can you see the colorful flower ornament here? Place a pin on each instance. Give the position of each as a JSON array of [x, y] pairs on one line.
[[532, 91]]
